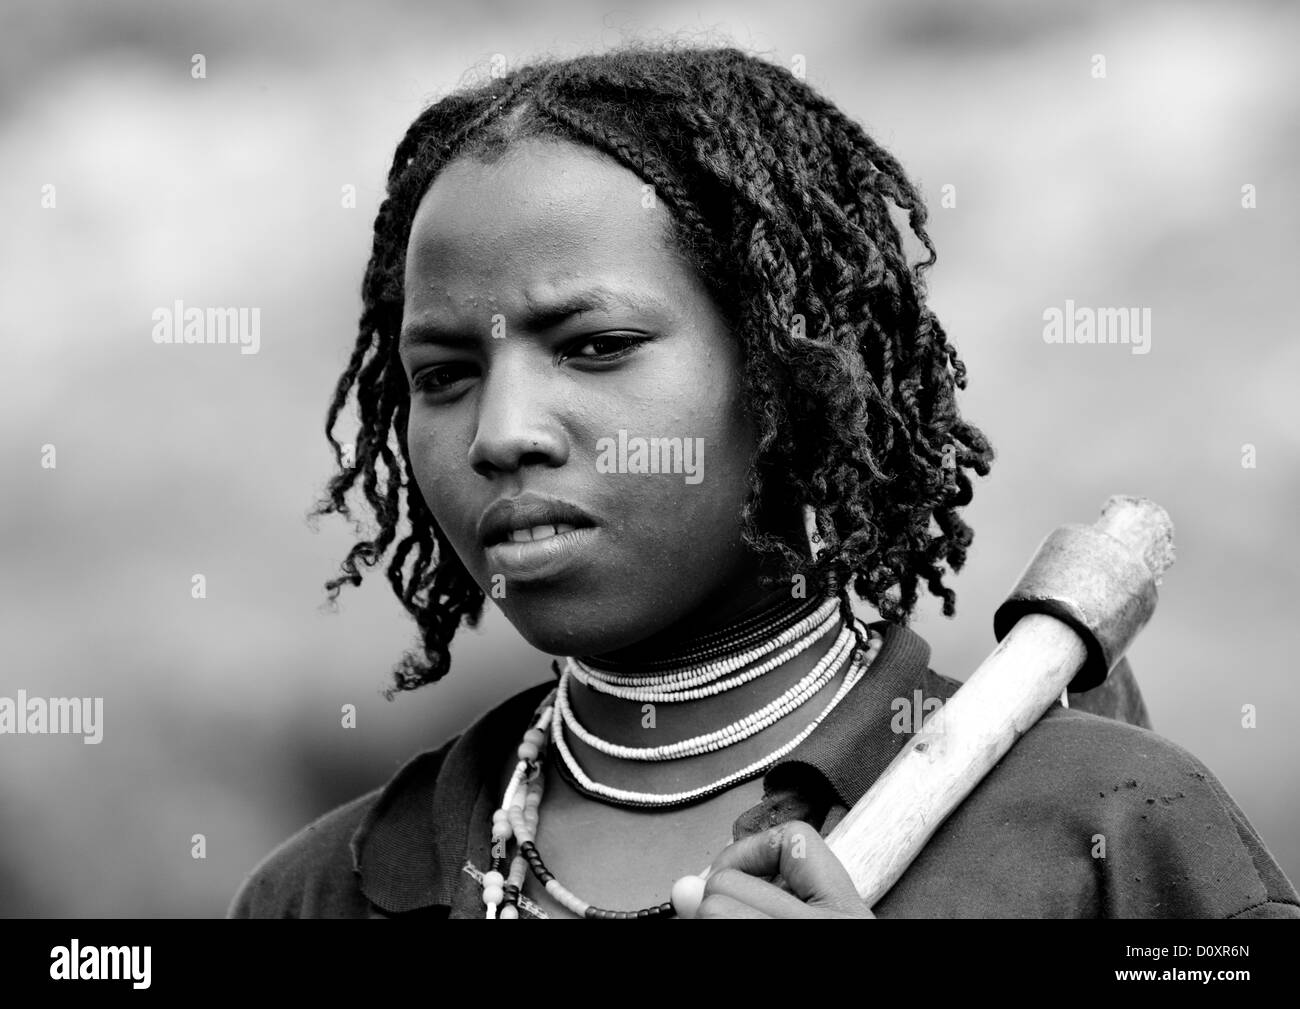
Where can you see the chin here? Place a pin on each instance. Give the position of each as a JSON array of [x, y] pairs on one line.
[[564, 623]]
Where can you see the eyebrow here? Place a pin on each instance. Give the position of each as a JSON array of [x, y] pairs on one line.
[[543, 314]]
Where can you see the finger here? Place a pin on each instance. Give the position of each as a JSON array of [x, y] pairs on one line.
[[720, 905], [762, 896], [796, 852]]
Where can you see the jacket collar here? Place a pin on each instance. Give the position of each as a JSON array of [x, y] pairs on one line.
[[413, 841], [859, 738]]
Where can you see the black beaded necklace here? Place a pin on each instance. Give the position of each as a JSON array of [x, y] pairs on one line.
[[768, 621]]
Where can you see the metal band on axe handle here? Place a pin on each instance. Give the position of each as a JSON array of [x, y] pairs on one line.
[[1080, 603]]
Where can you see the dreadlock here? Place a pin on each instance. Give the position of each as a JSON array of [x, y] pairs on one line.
[[778, 200]]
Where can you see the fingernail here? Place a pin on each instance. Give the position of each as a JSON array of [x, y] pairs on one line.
[[705, 873]]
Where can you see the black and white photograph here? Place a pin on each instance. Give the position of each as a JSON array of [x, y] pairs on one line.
[[505, 461]]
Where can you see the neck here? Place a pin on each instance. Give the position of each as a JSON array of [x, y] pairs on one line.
[[710, 622]]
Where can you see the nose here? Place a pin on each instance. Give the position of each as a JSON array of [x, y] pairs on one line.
[[517, 426]]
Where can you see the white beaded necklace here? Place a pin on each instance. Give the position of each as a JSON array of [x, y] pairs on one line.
[[640, 687], [821, 674], [860, 664], [688, 690]]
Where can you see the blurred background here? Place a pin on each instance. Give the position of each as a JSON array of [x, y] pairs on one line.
[[222, 715]]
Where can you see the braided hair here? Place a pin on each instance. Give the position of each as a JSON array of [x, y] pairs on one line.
[[778, 200]]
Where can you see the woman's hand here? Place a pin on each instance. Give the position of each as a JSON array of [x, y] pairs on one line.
[[815, 883]]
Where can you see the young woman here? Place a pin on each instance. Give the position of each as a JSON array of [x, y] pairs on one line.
[[642, 360]]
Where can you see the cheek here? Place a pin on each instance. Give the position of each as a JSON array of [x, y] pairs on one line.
[[439, 477], [726, 424], [707, 404]]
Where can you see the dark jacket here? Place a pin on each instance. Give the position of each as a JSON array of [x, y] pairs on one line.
[[1023, 844]]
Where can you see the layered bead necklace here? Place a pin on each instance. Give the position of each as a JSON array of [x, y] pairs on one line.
[[718, 662]]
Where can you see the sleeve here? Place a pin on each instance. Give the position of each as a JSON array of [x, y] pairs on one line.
[[1184, 848], [1281, 899], [314, 874], [311, 875]]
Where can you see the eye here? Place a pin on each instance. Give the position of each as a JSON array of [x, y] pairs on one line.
[[441, 377], [604, 346]]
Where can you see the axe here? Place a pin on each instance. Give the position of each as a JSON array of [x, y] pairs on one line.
[[1077, 607]]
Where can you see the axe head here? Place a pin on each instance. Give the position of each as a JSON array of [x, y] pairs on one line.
[[1100, 580]]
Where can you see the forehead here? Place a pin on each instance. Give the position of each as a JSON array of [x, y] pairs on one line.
[[546, 215]]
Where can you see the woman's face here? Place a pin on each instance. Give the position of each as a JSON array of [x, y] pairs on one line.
[[576, 420]]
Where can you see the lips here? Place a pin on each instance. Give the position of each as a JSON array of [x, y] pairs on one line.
[[529, 518], [540, 560], [531, 537]]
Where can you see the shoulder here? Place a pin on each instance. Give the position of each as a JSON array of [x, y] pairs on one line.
[[313, 873], [1087, 816], [1160, 832], [1133, 768], [1079, 748], [318, 872]]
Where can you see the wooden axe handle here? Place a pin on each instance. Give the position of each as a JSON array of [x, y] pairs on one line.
[[956, 747]]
